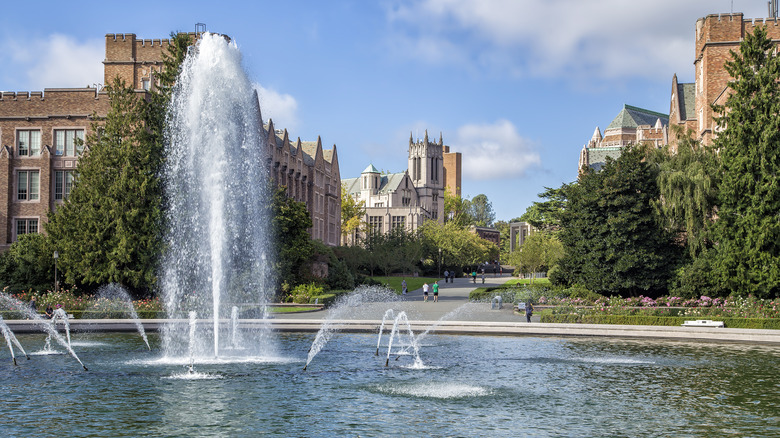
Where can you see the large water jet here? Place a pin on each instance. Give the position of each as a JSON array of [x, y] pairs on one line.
[[218, 203]]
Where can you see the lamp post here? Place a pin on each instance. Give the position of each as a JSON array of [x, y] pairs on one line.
[[56, 283]]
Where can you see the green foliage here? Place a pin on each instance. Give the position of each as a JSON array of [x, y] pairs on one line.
[[547, 215], [612, 240], [688, 182], [108, 231], [747, 232], [396, 250], [541, 251], [459, 248], [481, 211], [28, 264], [352, 213], [290, 223], [302, 293], [457, 210]]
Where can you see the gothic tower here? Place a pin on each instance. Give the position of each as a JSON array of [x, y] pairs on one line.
[[426, 168]]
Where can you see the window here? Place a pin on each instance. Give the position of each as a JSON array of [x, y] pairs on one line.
[[398, 221], [68, 142], [375, 224], [29, 143], [28, 185], [63, 182], [145, 84], [26, 226]]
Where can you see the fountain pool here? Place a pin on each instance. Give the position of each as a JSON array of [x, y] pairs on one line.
[[469, 386]]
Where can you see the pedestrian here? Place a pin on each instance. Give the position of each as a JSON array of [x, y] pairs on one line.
[[529, 311], [474, 276], [33, 305], [483, 276], [435, 291], [403, 287], [446, 275], [425, 292]]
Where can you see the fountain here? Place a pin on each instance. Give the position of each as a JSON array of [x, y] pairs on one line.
[[10, 302], [11, 340], [361, 297], [401, 320], [389, 314], [116, 293], [215, 183]]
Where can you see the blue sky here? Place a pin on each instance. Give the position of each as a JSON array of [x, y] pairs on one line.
[[517, 86]]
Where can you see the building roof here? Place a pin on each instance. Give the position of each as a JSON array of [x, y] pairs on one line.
[[597, 157], [387, 183], [686, 93], [370, 169], [631, 117]]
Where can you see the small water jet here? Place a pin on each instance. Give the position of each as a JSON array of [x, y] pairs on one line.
[[401, 320], [11, 340], [116, 293], [14, 304], [389, 314], [61, 316], [355, 303]]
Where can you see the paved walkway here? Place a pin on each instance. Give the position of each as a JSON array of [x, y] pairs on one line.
[[453, 305]]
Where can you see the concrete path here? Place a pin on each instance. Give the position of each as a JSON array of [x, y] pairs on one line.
[[453, 305]]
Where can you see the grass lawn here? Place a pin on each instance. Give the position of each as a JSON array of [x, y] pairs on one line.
[[292, 309], [412, 283]]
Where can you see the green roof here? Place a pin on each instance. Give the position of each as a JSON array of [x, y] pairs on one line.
[[631, 117], [686, 93], [370, 169]]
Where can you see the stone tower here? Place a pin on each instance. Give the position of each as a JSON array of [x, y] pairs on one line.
[[426, 168]]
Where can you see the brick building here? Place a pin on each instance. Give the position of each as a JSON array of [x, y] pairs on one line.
[[38, 147], [715, 35]]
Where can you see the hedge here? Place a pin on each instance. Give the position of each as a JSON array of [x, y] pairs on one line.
[[751, 323]]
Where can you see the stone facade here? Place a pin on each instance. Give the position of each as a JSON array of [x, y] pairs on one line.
[[38, 152], [409, 198]]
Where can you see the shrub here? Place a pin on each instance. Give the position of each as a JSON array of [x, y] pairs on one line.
[[302, 293]]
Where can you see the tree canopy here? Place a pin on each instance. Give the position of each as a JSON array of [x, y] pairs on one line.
[[747, 232], [481, 211], [612, 240]]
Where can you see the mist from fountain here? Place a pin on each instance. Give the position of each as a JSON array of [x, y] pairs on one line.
[[116, 292], [61, 316], [11, 340], [218, 202], [12, 303]]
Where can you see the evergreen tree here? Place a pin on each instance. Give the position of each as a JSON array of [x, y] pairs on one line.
[[747, 232], [481, 211], [613, 243], [291, 222], [108, 230], [546, 215]]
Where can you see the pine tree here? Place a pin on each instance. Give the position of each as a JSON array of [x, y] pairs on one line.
[[613, 243], [747, 232], [108, 230]]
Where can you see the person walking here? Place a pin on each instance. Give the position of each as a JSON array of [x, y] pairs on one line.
[[425, 292], [435, 291], [403, 287], [446, 275], [529, 311]]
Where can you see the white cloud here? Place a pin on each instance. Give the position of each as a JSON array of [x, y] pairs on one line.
[[57, 61], [600, 40], [494, 151], [282, 108]]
